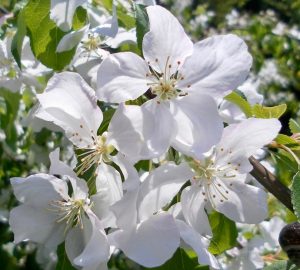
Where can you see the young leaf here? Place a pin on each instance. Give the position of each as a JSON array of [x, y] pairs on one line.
[[17, 42], [296, 194], [260, 111], [294, 126], [288, 141], [235, 98], [142, 24], [80, 18], [224, 233], [63, 262], [45, 35]]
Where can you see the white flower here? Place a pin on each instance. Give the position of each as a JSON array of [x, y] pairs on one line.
[[173, 65], [247, 257], [71, 104], [181, 76], [270, 232], [147, 234], [49, 215], [219, 180], [11, 77]]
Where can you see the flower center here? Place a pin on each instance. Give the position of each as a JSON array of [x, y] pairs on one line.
[[210, 177], [99, 152], [70, 211], [164, 84], [165, 90], [92, 43]]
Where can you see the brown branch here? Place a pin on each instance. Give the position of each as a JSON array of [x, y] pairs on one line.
[[271, 183]]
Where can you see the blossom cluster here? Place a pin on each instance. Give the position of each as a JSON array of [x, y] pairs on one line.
[[169, 100]]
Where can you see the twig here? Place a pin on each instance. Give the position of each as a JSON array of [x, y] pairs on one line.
[[271, 183]]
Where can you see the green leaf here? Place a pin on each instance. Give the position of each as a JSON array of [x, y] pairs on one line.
[[281, 265], [63, 262], [80, 18], [235, 98], [107, 115], [287, 141], [296, 194], [17, 42], [45, 35], [142, 24], [294, 126], [260, 111], [181, 261], [224, 233]]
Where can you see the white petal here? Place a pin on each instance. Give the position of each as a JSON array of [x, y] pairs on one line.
[[71, 40], [199, 124], [96, 248], [130, 134], [160, 187], [62, 12], [72, 105], [109, 191], [192, 202], [218, 64], [110, 26], [59, 167], [37, 225], [122, 37], [125, 210], [129, 172], [166, 41], [153, 243], [122, 77], [240, 141], [245, 204], [270, 231], [198, 243], [39, 190], [79, 186], [164, 127]]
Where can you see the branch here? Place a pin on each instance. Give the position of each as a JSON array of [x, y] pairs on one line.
[[271, 183]]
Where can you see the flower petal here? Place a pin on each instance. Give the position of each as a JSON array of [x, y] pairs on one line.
[[198, 243], [109, 191], [245, 204], [166, 41], [164, 127], [199, 124], [153, 243], [122, 77], [218, 65], [35, 224], [240, 141], [133, 132], [129, 172], [96, 249], [160, 187], [125, 210], [62, 12], [39, 190], [72, 39], [79, 186], [72, 105], [192, 202]]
